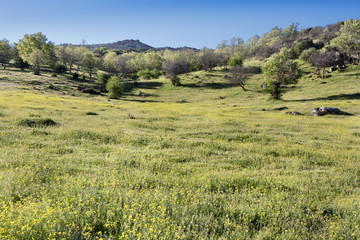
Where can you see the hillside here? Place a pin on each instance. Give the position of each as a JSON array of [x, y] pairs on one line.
[[131, 44], [199, 161]]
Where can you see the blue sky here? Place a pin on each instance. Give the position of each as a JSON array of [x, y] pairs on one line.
[[174, 23]]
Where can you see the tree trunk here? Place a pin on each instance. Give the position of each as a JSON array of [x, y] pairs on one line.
[[277, 91], [36, 70]]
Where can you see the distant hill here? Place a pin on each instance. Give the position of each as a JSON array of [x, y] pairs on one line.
[[123, 45], [136, 45]]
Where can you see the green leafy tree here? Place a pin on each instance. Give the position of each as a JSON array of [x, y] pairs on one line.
[[6, 52], [90, 64], [110, 63], [280, 70], [236, 60], [71, 56], [348, 38], [115, 87], [36, 59], [32, 42]]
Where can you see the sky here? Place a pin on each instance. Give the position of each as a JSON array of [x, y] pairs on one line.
[[160, 23]]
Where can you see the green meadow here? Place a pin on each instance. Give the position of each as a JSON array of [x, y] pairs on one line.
[[199, 161]]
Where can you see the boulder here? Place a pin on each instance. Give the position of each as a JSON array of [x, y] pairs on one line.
[[293, 113], [321, 111]]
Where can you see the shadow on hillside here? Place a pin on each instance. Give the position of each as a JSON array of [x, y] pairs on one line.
[[355, 96], [140, 100], [131, 86], [209, 85], [353, 74]]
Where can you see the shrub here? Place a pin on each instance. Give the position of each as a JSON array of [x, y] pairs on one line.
[[174, 68], [307, 54], [301, 45], [60, 68], [149, 74], [91, 113], [236, 60], [103, 79], [115, 87], [254, 69], [75, 76], [37, 122]]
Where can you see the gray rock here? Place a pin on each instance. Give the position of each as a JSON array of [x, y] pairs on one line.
[[321, 111], [293, 113]]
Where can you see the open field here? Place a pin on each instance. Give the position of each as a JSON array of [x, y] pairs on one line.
[[200, 161]]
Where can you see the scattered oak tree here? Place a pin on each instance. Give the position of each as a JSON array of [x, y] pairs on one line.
[[36, 59], [32, 42], [90, 64], [321, 60], [348, 38], [115, 87], [174, 68], [239, 76], [6, 52], [280, 70]]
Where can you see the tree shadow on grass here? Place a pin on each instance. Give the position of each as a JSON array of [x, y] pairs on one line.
[[131, 86], [213, 85], [354, 96], [141, 100]]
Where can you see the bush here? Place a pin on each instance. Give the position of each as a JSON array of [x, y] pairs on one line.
[[19, 63], [236, 60], [307, 54], [103, 79], [75, 76], [37, 122], [149, 74], [301, 45], [254, 69], [60, 68], [91, 113], [115, 87]]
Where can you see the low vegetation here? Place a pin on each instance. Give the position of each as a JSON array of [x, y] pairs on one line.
[[203, 160]]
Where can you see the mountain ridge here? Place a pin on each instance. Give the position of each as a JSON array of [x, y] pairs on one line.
[[136, 45]]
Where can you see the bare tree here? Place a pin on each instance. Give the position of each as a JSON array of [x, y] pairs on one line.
[[239, 76], [175, 68], [321, 60]]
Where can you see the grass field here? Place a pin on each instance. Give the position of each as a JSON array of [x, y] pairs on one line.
[[200, 161]]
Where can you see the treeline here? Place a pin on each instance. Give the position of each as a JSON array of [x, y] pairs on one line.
[[330, 46]]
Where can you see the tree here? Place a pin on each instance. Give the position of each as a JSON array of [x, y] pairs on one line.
[[174, 68], [115, 87], [239, 76], [29, 44], [327, 59], [71, 56], [90, 64], [36, 59], [110, 63], [6, 52], [208, 59], [280, 70], [236, 60], [60, 53], [348, 38]]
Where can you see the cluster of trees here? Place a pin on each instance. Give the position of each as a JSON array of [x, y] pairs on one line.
[[320, 46]]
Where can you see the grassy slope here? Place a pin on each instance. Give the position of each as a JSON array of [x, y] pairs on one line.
[[190, 165]]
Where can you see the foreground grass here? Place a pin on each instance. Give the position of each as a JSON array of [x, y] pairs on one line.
[[196, 162]]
